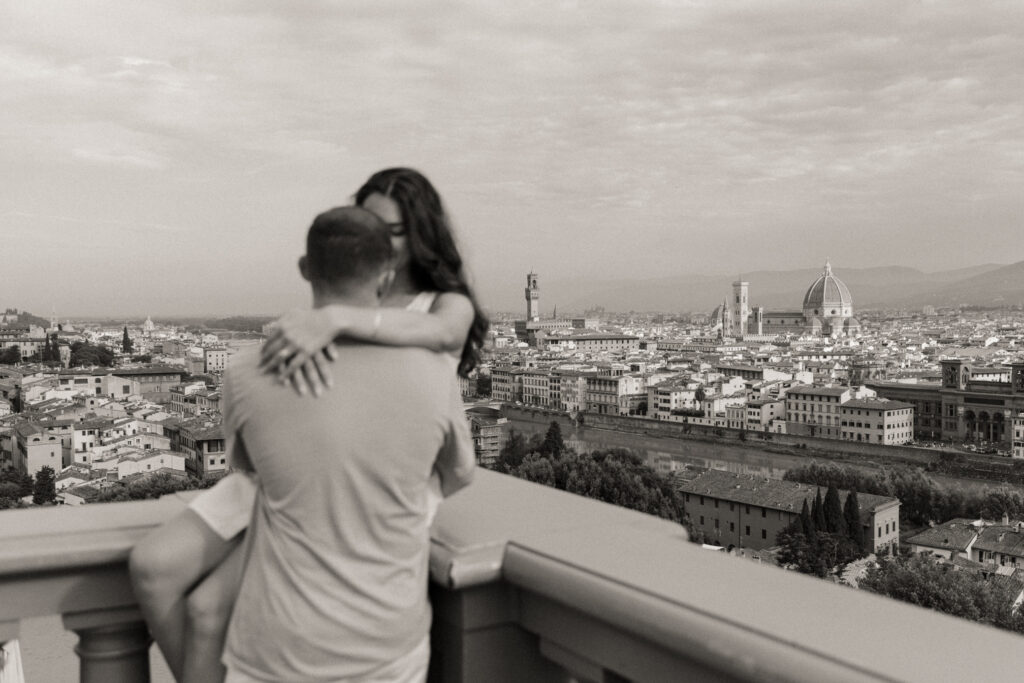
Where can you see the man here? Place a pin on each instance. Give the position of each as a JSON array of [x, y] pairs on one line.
[[335, 584]]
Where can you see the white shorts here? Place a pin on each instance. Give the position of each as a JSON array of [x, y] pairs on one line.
[[409, 668], [226, 507]]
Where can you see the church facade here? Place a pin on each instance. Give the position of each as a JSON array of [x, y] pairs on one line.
[[827, 311]]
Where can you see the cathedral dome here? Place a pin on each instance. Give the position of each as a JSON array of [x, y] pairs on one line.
[[828, 296]]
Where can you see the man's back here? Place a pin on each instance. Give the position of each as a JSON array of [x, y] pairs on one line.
[[336, 578]]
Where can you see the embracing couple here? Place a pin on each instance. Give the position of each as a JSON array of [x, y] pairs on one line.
[[309, 561]]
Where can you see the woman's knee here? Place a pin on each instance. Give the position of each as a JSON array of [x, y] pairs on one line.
[[153, 565], [208, 607]]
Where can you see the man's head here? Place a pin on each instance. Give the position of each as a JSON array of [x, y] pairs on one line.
[[348, 251]]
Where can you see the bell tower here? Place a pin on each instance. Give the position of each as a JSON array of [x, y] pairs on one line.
[[532, 297], [741, 310]]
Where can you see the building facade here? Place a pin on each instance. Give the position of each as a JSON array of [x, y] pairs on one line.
[[749, 512]]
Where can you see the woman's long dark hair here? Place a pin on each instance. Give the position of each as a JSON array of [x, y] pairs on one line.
[[434, 261]]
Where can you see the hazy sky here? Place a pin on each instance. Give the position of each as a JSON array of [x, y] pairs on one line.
[[167, 156]]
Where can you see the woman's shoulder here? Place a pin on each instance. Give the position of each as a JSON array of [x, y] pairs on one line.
[[423, 302]]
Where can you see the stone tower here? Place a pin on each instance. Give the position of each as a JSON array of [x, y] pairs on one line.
[[532, 297], [740, 306]]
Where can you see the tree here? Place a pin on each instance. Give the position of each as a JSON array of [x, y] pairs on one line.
[[818, 513], [10, 356], [45, 491], [85, 354], [553, 445], [806, 523], [851, 512], [699, 395], [22, 480], [614, 476], [126, 342], [10, 495], [921, 580], [835, 523], [46, 350]]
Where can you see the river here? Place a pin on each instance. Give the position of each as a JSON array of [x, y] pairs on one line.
[[724, 455]]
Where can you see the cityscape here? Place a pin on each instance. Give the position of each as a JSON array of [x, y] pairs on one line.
[[899, 433], [733, 293]]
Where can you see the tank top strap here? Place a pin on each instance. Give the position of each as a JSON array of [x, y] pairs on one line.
[[422, 303]]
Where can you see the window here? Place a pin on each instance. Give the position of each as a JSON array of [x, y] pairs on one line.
[[731, 507], [716, 522], [702, 519], [687, 497], [732, 526], [716, 503], [764, 512], [764, 533], [702, 500], [748, 531], [879, 532]]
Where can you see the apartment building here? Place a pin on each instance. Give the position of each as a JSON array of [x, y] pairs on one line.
[[874, 420], [749, 511]]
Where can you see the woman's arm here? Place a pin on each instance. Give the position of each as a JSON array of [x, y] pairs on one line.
[[297, 350]]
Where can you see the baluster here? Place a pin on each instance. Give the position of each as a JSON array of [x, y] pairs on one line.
[[113, 645]]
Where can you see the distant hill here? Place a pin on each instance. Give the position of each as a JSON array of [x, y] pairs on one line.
[[886, 286]]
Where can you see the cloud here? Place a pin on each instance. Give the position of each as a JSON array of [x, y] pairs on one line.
[[571, 132]]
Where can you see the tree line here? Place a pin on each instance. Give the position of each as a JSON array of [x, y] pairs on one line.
[[921, 500], [613, 476]]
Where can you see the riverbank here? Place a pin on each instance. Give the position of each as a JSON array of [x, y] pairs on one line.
[[751, 455]]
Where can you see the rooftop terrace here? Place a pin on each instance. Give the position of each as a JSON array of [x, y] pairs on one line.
[[533, 584]]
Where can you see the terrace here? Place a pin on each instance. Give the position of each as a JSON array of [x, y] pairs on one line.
[[532, 584]]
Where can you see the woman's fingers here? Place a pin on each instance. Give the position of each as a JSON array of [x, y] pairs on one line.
[[297, 380], [274, 352], [312, 377], [331, 351], [323, 370]]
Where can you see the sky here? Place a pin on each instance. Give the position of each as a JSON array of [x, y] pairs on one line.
[[166, 157]]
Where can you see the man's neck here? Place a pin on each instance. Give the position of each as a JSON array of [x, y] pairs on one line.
[[364, 297]]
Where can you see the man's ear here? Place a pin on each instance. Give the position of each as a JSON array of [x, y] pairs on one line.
[[304, 268]]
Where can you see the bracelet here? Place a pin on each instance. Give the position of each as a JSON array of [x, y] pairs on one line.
[[376, 325]]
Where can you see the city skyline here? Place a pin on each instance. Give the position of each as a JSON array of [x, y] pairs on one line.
[[169, 162]]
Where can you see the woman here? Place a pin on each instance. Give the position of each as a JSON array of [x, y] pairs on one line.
[[187, 573]]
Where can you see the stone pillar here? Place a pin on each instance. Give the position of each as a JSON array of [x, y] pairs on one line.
[[113, 645]]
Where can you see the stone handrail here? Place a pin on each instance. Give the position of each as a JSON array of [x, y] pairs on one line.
[[536, 584]]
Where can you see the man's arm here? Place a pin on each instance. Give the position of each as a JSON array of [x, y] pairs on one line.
[[456, 461], [237, 455]]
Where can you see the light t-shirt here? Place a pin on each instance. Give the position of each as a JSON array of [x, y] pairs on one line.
[[335, 583]]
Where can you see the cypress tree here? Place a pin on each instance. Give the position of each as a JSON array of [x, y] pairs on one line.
[[553, 444], [46, 350], [806, 523], [851, 512], [126, 342], [835, 523], [818, 512]]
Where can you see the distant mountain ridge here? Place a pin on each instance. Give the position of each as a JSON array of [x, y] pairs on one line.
[[879, 287]]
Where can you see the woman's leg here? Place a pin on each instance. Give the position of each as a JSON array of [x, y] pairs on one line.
[[208, 609], [165, 566]]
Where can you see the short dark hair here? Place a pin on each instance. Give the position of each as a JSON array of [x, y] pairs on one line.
[[346, 244]]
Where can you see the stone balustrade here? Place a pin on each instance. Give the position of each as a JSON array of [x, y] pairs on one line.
[[532, 584]]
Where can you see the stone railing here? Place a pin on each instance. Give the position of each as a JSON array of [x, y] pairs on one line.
[[532, 584]]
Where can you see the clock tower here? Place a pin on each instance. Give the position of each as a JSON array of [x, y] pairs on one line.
[[532, 297]]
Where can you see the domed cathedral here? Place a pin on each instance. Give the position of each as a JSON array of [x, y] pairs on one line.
[[827, 311], [828, 306]]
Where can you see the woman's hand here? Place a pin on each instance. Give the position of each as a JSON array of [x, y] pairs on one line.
[[301, 349]]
